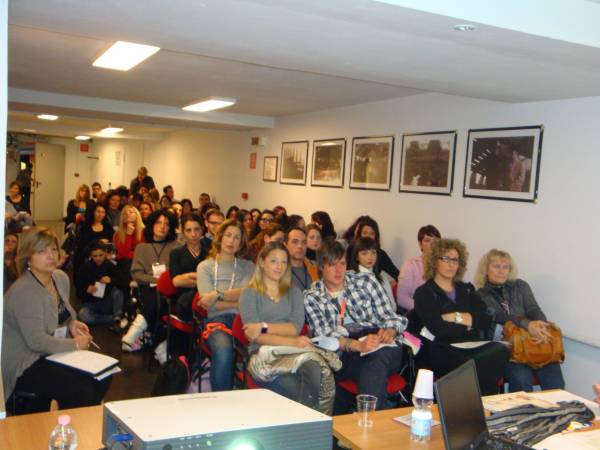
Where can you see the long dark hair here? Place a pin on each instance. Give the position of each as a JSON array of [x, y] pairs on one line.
[[323, 219], [360, 245]]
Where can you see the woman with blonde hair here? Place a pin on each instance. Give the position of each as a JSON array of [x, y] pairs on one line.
[[39, 320], [509, 298], [273, 314], [130, 232], [219, 280], [76, 208], [449, 312]]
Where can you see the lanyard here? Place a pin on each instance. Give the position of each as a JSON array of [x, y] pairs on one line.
[[59, 299], [342, 311], [158, 253], [216, 274]]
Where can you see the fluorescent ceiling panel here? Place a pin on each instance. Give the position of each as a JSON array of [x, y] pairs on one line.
[[210, 104], [124, 55]]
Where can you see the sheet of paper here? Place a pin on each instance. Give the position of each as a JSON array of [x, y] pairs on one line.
[[405, 420], [581, 440], [559, 395], [108, 373], [100, 289], [85, 360], [469, 345], [327, 343], [502, 402], [376, 348]]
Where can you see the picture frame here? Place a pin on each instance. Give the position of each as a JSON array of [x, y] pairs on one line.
[[427, 162], [294, 157], [328, 163], [372, 161], [270, 168], [503, 163]]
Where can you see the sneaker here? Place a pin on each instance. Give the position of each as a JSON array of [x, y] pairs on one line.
[[123, 323], [136, 346]]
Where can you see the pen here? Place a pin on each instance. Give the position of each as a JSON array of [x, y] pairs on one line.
[[91, 341]]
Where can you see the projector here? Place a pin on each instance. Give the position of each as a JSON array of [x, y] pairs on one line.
[[254, 419]]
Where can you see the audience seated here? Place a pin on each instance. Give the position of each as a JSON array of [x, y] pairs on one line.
[[150, 260], [323, 221], [303, 273], [509, 298], [129, 234], [313, 242], [15, 221], [220, 280], [183, 264], [76, 208], [335, 306], [102, 299], [154, 199], [411, 272], [296, 220], [365, 258], [38, 320], [232, 212], [203, 200], [145, 210], [270, 233], [142, 179], [16, 199], [272, 310], [245, 218], [212, 221], [11, 241], [97, 193], [186, 206], [451, 311], [113, 208], [165, 202], [169, 192], [255, 214]]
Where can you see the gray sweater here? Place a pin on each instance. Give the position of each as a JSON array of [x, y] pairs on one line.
[[30, 318], [205, 280], [256, 308], [147, 254]]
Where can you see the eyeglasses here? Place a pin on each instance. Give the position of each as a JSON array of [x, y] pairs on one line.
[[448, 260], [500, 266], [266, 219]]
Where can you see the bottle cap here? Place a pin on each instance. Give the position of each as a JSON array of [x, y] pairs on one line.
[[64, 419], [424, 384]]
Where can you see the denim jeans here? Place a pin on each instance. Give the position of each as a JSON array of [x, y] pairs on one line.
[[371, 372], [221, 360], [103, 311], [302, 386], [520, 377]]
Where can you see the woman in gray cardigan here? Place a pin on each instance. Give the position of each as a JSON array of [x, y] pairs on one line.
[[509, 298], [38, 320]]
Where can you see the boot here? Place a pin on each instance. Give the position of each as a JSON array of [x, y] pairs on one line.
[[137, 327]]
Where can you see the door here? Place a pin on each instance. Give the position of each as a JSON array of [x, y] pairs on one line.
[[49, 185]]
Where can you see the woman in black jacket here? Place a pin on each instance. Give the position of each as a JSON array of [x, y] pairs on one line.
[[448, 312]]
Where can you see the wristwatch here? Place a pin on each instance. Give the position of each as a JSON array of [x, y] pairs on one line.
[[458, 317], [265, 328], [220, 296]]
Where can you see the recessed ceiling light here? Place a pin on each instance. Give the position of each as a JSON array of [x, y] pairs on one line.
[[111, 130], [82, 138], [124, 55], [465, 27], [210, 104], [47, 117], [29, 130]]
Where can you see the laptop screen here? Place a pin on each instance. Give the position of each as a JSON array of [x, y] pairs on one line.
[[460, 408]]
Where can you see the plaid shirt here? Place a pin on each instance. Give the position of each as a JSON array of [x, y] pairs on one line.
[[366, 305]]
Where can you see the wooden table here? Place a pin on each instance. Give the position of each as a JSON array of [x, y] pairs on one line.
[[385, 433], [31, 431]]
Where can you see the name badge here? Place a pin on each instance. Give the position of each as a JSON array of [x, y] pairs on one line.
[[60, 332], [158, 269]]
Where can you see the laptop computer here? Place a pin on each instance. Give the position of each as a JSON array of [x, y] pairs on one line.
[[461, 412]]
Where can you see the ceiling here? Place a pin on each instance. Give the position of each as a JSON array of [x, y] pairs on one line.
[[282, 57]]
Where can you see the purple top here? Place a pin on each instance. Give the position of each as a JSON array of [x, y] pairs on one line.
[[410, 278]]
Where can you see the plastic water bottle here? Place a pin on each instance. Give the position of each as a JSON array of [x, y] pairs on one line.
[[63, 437], [420, 422]]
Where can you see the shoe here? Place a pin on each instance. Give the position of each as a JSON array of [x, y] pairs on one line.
[[136, 346], [123, 323], [137, 327], [160, 352]]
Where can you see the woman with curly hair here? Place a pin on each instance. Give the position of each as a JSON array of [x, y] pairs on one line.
[[509, 298], [449, 311]]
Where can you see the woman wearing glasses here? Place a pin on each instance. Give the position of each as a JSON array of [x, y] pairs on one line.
[[449, 311], [509, 298]]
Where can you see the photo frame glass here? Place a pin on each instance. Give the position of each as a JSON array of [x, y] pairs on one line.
[[329, 158], [428, 162], [270, 168], [293, 162], [503, 163], [371, 166]]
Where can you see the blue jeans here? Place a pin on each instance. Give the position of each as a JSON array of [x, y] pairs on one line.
[[302, 386], [520, 377], [104, 310], [221, 360]]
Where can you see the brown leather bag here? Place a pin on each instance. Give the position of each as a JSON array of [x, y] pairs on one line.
[[524, 350]]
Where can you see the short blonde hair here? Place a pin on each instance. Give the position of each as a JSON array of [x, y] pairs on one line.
[[439, 249], [34, 240], [139, 224], [258, 281], [484, 263]]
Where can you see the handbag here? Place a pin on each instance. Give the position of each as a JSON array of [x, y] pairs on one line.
[[523, 349]]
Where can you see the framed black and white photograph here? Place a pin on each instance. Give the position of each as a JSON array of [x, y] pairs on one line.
[[427, 165], [293, 162], [329, 157], [503, 163], [371, 166], [270, 168]]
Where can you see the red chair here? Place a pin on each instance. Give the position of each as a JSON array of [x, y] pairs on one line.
[[165, 287], [395, 385], [241, 354]]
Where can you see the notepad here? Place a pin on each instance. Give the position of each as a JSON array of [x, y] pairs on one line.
[[86, 361]]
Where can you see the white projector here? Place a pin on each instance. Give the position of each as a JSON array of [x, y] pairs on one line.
[[254, 419]]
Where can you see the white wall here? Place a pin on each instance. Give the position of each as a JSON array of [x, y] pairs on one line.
[[554, 241]]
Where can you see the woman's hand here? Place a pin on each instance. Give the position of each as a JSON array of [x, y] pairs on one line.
[[191, 276], [91, 289], [77, 328], [252, 330], [302, 342], [538, 329], [370, 343], [467, 318], [82, 341], [105, 279], [130, 228], [387, 335]]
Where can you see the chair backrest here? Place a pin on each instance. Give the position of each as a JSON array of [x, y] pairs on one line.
[[237, 329], [165, 285], [199, 310]]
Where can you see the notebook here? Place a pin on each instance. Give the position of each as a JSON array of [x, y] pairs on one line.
[[92, 363], [461, 412]]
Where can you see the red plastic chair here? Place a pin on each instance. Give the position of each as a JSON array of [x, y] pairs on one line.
[[165, 287], [241, 354], [396, 384]]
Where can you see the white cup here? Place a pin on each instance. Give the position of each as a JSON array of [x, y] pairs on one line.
[[424, 384], [365, 405]]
